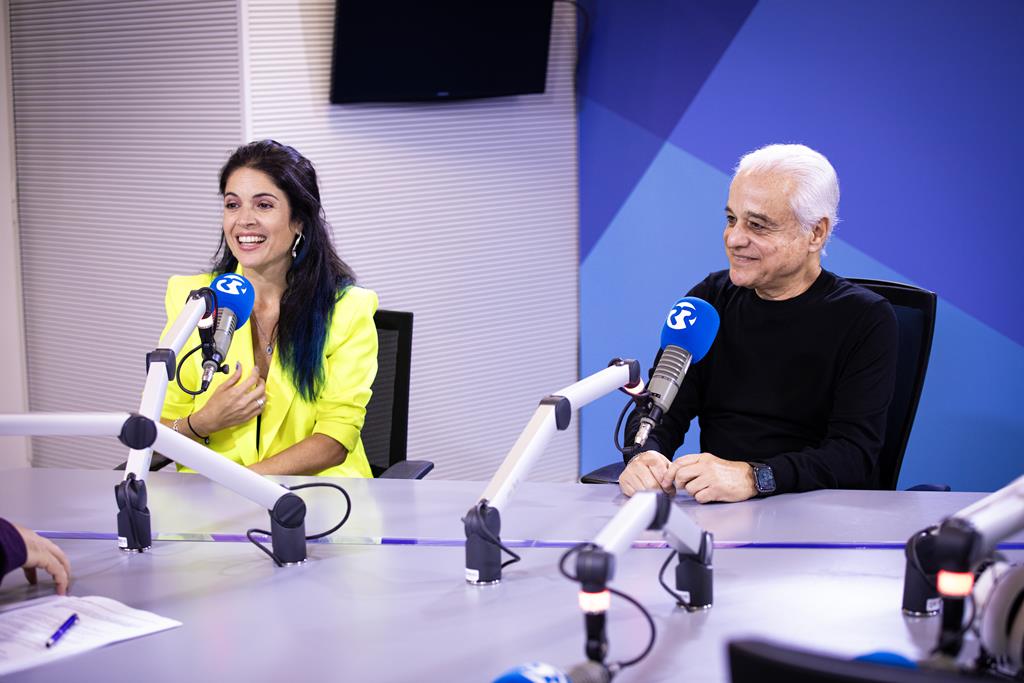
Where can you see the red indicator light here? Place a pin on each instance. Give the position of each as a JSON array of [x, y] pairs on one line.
[[955, 584], [595, 603]]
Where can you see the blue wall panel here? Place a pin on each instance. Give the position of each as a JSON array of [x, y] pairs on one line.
[[666, 238], [625, 72], [916, 105]]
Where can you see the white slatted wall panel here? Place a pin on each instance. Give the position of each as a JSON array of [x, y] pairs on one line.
[[464, 213], [124, 112]]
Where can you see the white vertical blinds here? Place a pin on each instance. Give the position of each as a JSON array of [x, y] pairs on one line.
[[124, 112], [464, 213]]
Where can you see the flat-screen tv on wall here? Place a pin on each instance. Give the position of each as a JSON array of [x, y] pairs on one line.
[[416, 50]]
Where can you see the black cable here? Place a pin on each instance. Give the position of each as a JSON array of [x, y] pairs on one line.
[[581, 44], [250, 532], [313, 537], [627, 451], [628, 598], [491, 538], [661, 579], [202, 332], [650, 622], [618, 426], [565, 556], [911, 553], [344, 519], [177, 374]]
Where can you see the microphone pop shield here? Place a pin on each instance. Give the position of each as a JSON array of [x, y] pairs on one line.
[[236, 293], [533, 672], [692, 324]]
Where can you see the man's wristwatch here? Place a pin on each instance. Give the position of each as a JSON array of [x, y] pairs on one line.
[[764, 478]]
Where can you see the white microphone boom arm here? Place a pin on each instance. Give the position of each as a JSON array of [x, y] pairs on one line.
[[483, 521], [161, 365], [955, 548], [649, 510], [596, 562], [287, 510], [995, 517]]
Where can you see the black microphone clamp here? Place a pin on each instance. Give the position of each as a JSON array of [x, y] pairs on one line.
[[206, 327]]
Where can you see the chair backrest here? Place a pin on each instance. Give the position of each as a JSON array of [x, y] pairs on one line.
[[385, 431], [753, 661], [915, 312]]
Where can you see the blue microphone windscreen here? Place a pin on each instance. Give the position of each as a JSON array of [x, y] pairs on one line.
[[235, 292], [888, 659], [534, 672], [692, 325]]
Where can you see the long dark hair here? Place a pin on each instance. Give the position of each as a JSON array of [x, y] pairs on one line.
[[317, 277]]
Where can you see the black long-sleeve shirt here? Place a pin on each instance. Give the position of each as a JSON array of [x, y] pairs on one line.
[[801, 384], [12, 548]]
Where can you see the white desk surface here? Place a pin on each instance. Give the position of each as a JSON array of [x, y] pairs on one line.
[[363, 610], [69, 502], [402, 613]]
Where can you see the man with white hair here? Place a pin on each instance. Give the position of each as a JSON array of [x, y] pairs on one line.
[[794, 392]]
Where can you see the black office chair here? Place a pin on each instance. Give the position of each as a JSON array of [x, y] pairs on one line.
[[915, 312], [386, 427], [754, 661], [385, 431]]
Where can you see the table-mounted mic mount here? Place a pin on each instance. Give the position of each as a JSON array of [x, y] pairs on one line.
[[943, 562], [483, 520], [596, 562], [287, 510], [141, 432], [134, 530]]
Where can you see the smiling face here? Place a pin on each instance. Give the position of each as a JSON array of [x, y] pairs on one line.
[[257, 221], [769, 251]]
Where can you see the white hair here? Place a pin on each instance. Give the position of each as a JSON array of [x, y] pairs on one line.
[[816, 188]]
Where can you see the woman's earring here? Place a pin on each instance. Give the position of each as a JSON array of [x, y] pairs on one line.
[[295, 247]]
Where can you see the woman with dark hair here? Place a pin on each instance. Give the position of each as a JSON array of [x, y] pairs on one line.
[[302, 370]]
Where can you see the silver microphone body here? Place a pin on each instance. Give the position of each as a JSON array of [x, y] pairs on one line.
[[664, 385], [223, 331], [590, 672]]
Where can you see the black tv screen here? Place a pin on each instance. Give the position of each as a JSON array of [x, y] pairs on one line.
[[415, 50]]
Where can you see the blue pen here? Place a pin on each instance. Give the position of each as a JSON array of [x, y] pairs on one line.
[[64, 628]]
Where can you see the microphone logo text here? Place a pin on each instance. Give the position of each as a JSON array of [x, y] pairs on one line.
[[682, 315], [231, 284]]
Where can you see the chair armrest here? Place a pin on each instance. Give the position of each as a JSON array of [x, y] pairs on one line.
[[158, 462], [408, 469], [609, 474]]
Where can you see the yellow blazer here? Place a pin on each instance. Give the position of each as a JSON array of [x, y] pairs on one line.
[[350, 365]]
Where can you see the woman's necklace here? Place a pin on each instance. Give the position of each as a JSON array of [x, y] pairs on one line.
[[263, 335]]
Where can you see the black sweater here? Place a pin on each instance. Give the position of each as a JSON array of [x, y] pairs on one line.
[[801, 384], [12, 548]]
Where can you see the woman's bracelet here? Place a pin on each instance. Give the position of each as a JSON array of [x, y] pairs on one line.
[[205, 439]]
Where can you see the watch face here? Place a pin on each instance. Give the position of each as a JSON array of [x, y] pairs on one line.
[[765, 478]]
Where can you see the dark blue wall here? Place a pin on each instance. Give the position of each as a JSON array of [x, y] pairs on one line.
[[918, 106]]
